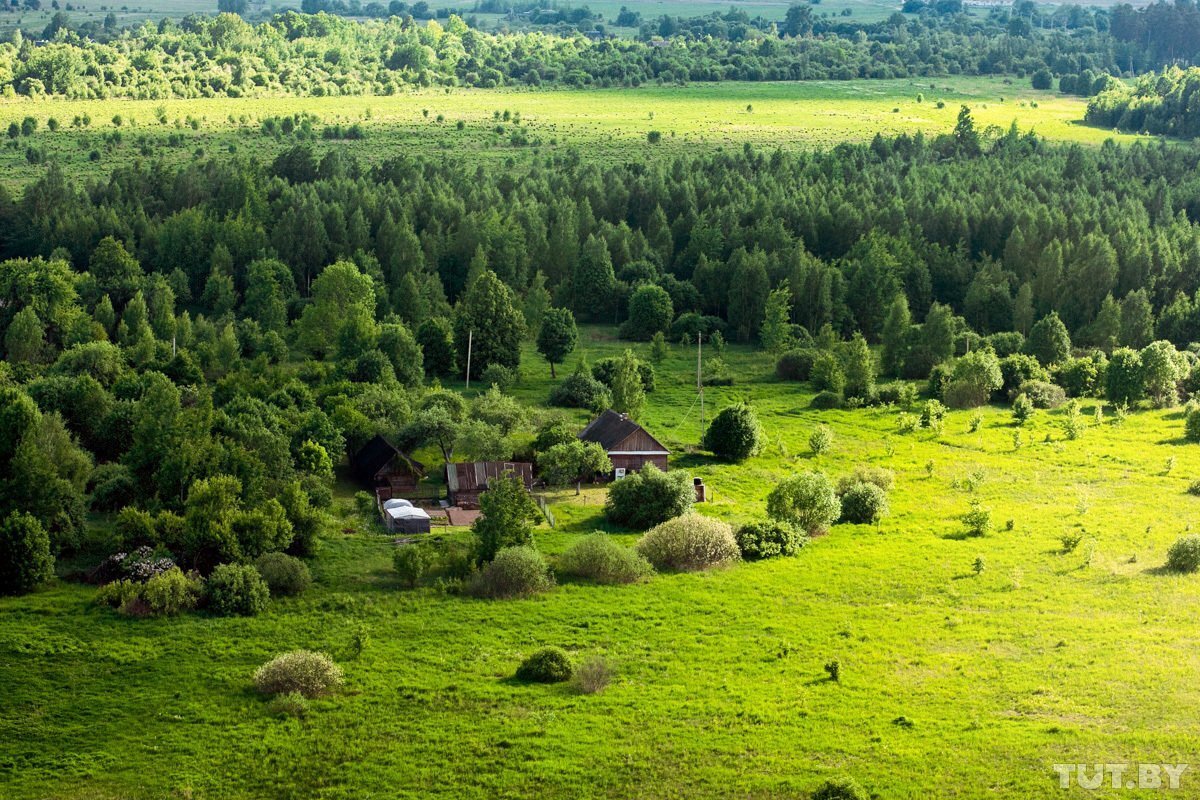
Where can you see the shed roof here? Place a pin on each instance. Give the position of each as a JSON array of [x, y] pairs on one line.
[[377, 454], [610, 429]]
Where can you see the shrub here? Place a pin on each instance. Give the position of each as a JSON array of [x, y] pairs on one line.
[[1022, 410], [605, 370], [1082, 377], [827, 373], [824, 401], [939, 378], [734, 434], [290, 704], [599, 558], [307, 673], [795, 365], [689, 543], [113, 487], [284, 574], [864, 473], [767, 539], [25, 559], [932, 414], [821, 440], [806, 500], [839, 789], [514, 572], [648, 497], [897, 393], [593, 676], [1191, 423], [499, 376], [1020, 367], [412, 562], [1184, 555], [1043, 394], [977, 521], [580, 390], [1006, 343], [864, 503], [236, 590], [172, 592], [548, 665], [1194, 488]]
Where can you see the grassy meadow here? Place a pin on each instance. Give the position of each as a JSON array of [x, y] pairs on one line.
[[612, 124], [954, 684]]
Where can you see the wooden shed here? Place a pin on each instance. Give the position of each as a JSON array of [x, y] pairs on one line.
[[628, 444], [467, 481], [386, 469]]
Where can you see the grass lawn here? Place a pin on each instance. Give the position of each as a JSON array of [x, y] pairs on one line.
[[610, 124], [954, 685]]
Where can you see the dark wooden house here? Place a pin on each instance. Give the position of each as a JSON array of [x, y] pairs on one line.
[[386, 469], [628, 445], [465, 482]]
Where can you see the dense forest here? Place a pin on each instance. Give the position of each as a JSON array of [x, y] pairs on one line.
[[1165, 104], [330, 55], [196, 342]]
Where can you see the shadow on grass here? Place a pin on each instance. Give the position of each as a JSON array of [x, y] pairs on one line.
[[694, 460]]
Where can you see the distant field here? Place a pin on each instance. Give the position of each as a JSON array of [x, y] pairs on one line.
[[953, 684], [607, 124]]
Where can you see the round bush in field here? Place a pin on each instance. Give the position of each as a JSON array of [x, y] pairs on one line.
[[794, 365], [767, 539], [649, 497], [236, 590], [603, 560], [25, 559], [864, 503], [1191, 423], [514, 572], [548, 665], [284, 574], [689, 543], [806, 500], [308, 673], [734, 434], [1184, 555], [839, 789]]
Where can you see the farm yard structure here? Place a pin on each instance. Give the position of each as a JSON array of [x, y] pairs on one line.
[[389, 471], [627, 443], [401, 516], [466, 481]]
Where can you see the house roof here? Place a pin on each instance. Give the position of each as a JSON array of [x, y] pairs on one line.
[[610, 429], [377, 454]]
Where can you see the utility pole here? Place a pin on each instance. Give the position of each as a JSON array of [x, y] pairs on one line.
[[470, 341], [699, 376]]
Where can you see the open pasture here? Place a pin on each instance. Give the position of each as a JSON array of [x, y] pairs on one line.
[[955, 683], [469, 124]]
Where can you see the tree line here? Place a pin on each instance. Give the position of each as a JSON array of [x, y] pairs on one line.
[[1166, 104], [223, 55]]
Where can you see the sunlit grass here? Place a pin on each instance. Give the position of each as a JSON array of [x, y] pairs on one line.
[[1044, 657]]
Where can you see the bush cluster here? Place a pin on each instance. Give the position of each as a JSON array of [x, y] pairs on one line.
[[514, 572], [806, 500], [285, 575], [547, 665], [1184, 555], [307, 673], [649, 497], [689, 543], [599, 558], [767, 539], [236, 590]]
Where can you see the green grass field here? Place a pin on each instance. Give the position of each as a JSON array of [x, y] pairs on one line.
[[605, 124], [954, 685]]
